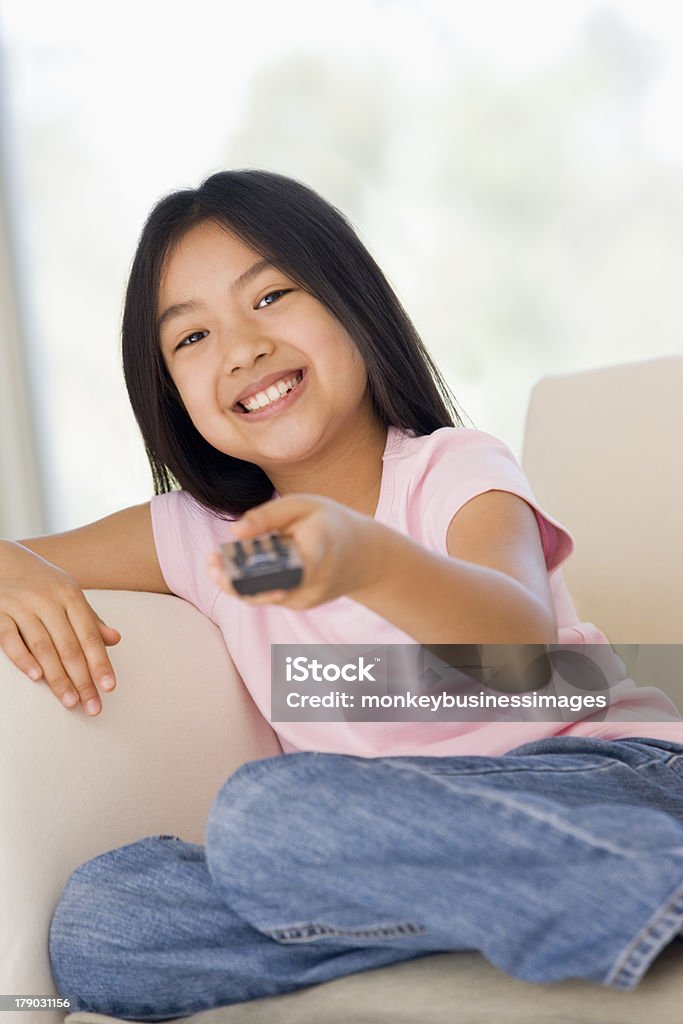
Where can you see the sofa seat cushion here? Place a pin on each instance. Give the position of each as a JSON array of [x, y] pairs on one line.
[[455, 988]]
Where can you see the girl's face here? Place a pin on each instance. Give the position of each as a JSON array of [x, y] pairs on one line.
[[240, 323]]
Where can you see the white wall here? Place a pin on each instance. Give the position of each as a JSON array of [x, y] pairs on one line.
[[514, 168], [22, 509]]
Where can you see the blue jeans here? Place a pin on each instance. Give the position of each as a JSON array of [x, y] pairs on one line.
[[562, 858]]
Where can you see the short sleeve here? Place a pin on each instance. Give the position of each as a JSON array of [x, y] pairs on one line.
[[464, 463], [184, 536]]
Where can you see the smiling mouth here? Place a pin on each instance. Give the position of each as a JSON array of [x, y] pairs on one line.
[[244, 411]]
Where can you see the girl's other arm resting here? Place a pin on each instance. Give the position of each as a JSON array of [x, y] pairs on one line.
[[114, 553]]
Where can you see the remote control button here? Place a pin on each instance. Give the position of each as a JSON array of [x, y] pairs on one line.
[[239, 553], [278, 545]]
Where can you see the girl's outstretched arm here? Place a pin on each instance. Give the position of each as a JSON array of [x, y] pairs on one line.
[[492, 587]]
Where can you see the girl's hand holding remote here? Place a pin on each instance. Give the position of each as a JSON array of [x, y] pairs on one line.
[[48, 629], [334, 543]]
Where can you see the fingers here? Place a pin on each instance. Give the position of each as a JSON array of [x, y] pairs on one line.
[[276, 515], [266, 597], [12, 643], [65, 645], [111, 635], [57, 649], [220, 577], [89, 658]]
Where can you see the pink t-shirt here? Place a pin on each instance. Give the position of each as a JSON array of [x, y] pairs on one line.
[[425, 481]]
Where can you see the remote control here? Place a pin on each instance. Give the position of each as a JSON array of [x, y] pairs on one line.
[[269, 562]]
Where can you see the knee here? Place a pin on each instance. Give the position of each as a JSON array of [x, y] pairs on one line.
[[256, 799], [273, 817]]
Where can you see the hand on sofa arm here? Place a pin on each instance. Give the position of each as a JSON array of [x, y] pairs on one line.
[[48, 629]]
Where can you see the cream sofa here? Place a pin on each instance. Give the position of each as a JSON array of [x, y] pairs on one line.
[[602, 451]]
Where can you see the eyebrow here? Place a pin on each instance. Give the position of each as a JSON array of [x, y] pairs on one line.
[[191, 305]]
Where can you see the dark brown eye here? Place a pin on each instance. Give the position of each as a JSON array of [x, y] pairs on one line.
[[181, 344]]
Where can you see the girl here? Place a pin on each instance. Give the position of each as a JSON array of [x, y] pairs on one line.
[[277, 380]]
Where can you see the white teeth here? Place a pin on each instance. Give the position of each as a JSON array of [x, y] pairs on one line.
[[271, 394]]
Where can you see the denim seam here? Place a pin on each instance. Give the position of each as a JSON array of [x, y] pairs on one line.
[[545, 769], [307, 932], [552, 820], [609, 763], [675, 762], [668, 762], [650, 940]]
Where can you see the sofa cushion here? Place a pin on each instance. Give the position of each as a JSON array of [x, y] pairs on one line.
[[456, 988]]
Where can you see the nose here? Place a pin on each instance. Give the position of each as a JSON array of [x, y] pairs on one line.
[[242, 351]]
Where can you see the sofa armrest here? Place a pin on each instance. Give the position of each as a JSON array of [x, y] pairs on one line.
[[179, 722]]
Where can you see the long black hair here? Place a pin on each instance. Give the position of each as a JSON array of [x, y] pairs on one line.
[[315, 245]]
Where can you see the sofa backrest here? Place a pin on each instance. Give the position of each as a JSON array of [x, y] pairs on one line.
[[603, 453]]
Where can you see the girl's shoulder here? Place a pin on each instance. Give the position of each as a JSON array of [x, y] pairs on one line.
[[438, 473], [475, 448]]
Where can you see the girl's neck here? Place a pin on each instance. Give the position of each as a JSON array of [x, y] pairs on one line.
[[350, 471]]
